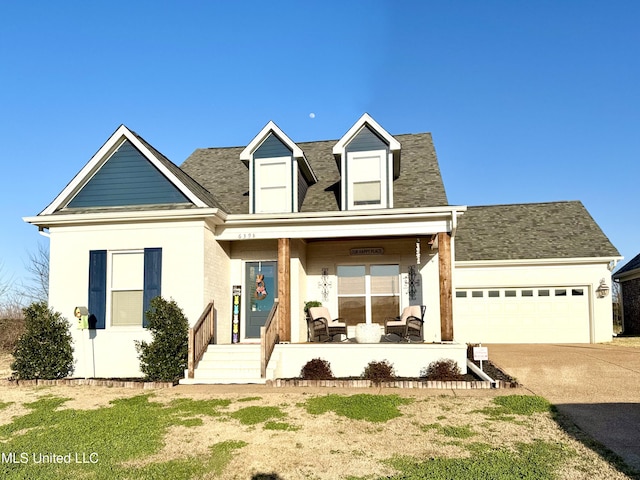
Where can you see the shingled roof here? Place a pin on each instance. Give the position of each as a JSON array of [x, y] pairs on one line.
[[222, 173], [633, 264], [530, 231]]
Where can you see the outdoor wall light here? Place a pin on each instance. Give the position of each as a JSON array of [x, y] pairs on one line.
[[603, 289]]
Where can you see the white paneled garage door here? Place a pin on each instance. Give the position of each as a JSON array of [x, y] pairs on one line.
[[522, 315]]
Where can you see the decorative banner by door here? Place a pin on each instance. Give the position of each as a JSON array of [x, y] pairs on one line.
[[235, 315]]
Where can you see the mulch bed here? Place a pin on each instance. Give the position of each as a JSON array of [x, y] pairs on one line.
[[468, 381]]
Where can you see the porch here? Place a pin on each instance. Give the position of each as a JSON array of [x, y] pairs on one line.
[[211, 363], [282, 351]]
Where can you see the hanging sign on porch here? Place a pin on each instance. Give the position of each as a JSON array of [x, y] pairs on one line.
[[235, 314], [367, 251]]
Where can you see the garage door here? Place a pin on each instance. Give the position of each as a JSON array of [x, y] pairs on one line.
[[522, 315]]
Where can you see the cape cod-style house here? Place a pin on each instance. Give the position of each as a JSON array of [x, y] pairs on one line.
[[242, 237]]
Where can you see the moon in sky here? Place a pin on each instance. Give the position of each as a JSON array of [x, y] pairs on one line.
[[312, 115]]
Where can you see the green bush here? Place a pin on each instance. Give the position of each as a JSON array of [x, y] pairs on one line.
[[445, 370], [316, 369], [165, 358], [44, 350]]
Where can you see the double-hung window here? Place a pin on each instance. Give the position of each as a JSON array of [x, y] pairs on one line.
[[368, 293], [121, 286], [366, 177], [273, 185], [127, 287]]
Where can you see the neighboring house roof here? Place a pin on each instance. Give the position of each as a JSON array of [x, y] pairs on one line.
[[419, 184], [629, 267], [530, 231]]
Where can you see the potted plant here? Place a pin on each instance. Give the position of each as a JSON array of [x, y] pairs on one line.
[[309, 304]]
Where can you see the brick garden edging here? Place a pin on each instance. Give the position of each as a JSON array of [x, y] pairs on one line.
[[476, 385], [86, 381]]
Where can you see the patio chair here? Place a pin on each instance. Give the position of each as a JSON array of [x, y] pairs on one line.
[[321, 325], [407, 325]]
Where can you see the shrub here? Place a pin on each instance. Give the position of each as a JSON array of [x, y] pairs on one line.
[[44, 350], [11, 329], [311, 303], [445, 370], [316, 369], [165, 358], [379, 371]]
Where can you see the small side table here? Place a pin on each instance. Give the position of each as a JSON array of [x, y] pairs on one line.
[[368, 333]]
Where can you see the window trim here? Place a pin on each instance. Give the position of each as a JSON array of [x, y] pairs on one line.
[[111, 289], [288, 184], [383, 178], [368, 295]]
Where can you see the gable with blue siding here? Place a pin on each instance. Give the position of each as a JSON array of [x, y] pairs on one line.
[[366, 140], [128, 178], [272, 147]]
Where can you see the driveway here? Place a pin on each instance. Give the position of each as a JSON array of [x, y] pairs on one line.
[[597, 386]]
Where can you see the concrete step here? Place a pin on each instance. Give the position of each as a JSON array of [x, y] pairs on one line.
[[223, 381], [228, 364]]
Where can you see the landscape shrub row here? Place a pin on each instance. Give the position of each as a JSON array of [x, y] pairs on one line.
[[383, 371]]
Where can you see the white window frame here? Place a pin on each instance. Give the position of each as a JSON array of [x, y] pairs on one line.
[[367, 287], [371, 175], [286, 184], [111, 289]]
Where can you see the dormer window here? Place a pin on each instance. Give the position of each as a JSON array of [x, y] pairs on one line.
[[366, 175], [369, 160], [279, 173], [272, 185]]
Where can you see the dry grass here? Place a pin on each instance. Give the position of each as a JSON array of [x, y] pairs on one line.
[[633, 342], [329, 446]]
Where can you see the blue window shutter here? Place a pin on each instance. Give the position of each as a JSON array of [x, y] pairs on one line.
[[97, 288], [152, 278]]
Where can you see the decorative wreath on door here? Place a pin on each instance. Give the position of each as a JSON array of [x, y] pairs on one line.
[[261, 290]]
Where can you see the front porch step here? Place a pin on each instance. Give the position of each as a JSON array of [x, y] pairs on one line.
[[228, 364]]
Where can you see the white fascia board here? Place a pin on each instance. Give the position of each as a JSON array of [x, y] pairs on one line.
[[212, 215], [87, 170], [626, 276], [350, 215], [339, 224], [535, 262], [102, 155], [247, 153], [331, 230], [338, 148]]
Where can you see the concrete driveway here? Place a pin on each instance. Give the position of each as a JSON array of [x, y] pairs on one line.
[[598, 386]]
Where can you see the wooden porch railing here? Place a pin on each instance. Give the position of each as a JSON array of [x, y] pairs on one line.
[[200, 335], [268, 338]]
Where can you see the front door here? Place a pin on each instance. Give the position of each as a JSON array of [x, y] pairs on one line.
[[261, 287]]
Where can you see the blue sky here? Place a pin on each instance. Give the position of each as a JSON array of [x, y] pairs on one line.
[[526, 101]]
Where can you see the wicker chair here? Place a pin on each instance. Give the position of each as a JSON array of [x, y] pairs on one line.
[[408, 325], [321, 325]]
